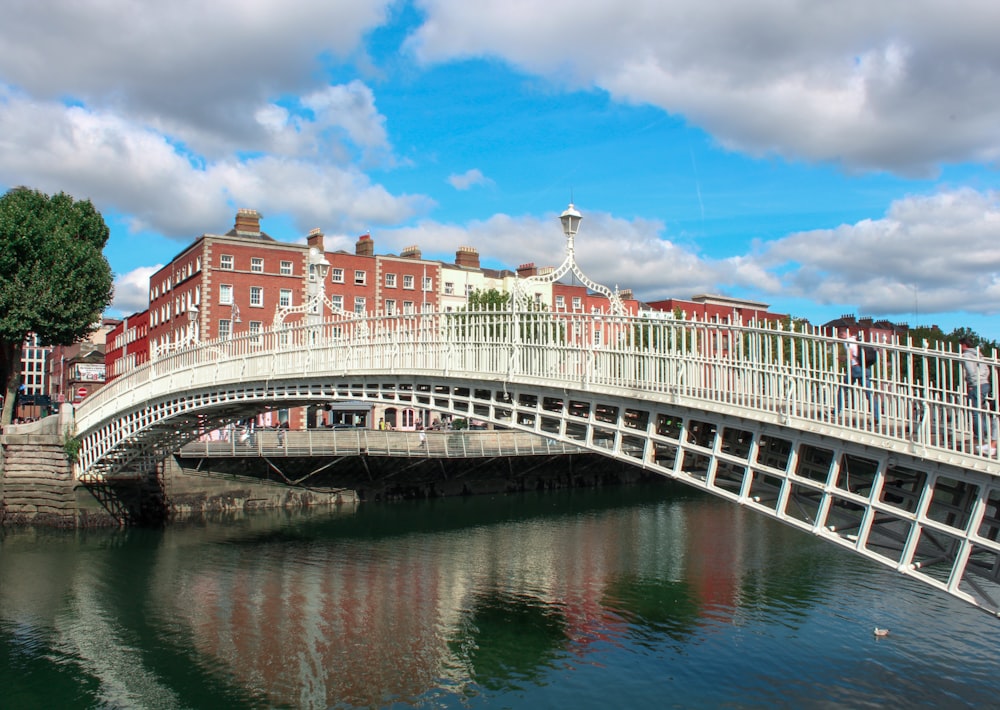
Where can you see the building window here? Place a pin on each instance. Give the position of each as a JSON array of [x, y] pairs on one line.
[[257, 265], [337, 275], [390, 280], [359, 304], [390, 307], [449, 288], [428, 283], [338, 302], [226, 262], [359, 277], [225, 328], [255, 329], [226, 294], [286, 268], [577, 304], [285, 298], [257, 296], [468, 290], [561, 303], [408, 307], [408, 281]]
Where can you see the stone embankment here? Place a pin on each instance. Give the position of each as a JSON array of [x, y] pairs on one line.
[[36, 477], [37, 485]]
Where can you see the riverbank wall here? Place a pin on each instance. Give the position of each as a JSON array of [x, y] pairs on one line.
[[37, 486]]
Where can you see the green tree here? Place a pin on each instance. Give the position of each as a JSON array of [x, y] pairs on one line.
[[54, 279]]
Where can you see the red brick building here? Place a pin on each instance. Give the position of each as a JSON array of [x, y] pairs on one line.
[[867, 328], [225, 285], [717, 309], [570, 298], [127, 345], [407, 283]]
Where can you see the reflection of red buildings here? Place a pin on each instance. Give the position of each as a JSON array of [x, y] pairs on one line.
[[714, 556], [323, 631], [371, 621]]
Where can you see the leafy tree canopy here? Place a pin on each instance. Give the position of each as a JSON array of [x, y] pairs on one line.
[[54, 279], [490, 299]]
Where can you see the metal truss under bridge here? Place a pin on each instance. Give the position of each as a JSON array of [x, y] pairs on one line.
[[756, 414]]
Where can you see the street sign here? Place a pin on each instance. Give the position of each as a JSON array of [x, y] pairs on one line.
[[81, 392]]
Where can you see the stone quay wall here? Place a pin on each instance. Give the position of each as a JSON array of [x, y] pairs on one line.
[[36, 477]]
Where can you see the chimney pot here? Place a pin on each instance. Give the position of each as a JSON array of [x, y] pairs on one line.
[[247, 221]]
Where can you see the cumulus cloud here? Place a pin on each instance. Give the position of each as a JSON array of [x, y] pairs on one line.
[[897, 85], [941, 249], [132, 168], [468, 179], [609, 250], [196, 71], [132, 290]]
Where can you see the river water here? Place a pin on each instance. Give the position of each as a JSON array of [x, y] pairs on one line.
[[634, 597]]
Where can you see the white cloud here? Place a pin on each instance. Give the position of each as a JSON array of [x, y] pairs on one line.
[[942, 250], [897, 85], [609, 250], [197, 71], [468, 179], [136, 170], [132, 290]]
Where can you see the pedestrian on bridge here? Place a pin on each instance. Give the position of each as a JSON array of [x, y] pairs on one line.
[[979, 390], [857, 372]]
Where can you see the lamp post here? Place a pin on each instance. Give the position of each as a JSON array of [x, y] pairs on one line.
[[234, 318], [192, 323], [319, 267], [570, 219]]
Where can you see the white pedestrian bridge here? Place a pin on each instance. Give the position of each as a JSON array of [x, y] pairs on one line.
[[746, 412]]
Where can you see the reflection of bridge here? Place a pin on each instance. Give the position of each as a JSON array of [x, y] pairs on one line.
[[745, 412]]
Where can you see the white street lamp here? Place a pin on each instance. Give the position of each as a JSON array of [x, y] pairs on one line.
[[570, 219], [192, 313]]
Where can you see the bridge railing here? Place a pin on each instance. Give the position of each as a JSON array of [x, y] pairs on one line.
[[371, 442], [916, 393]]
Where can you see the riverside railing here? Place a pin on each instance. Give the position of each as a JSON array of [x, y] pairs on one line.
[[794, 376]]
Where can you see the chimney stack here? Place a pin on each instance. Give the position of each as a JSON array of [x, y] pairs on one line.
[[248, 222], [467, 256], [364, 246], [526, 270], [315, 239], [411, 252]]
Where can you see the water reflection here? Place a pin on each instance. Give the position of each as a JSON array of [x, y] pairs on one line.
[[444, 601]]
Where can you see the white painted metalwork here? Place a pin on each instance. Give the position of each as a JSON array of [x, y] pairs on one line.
[[746, 412], [570, 219]]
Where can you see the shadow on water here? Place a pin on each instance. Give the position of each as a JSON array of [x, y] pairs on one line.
[[506, 641], [376, 521]]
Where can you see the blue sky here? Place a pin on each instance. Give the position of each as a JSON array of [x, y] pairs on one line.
[[826, 158]]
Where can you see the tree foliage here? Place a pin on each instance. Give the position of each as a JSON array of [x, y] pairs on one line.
[[54, 279]]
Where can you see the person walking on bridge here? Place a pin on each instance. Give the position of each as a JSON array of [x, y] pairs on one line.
[[979, 390], [857, 372]]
